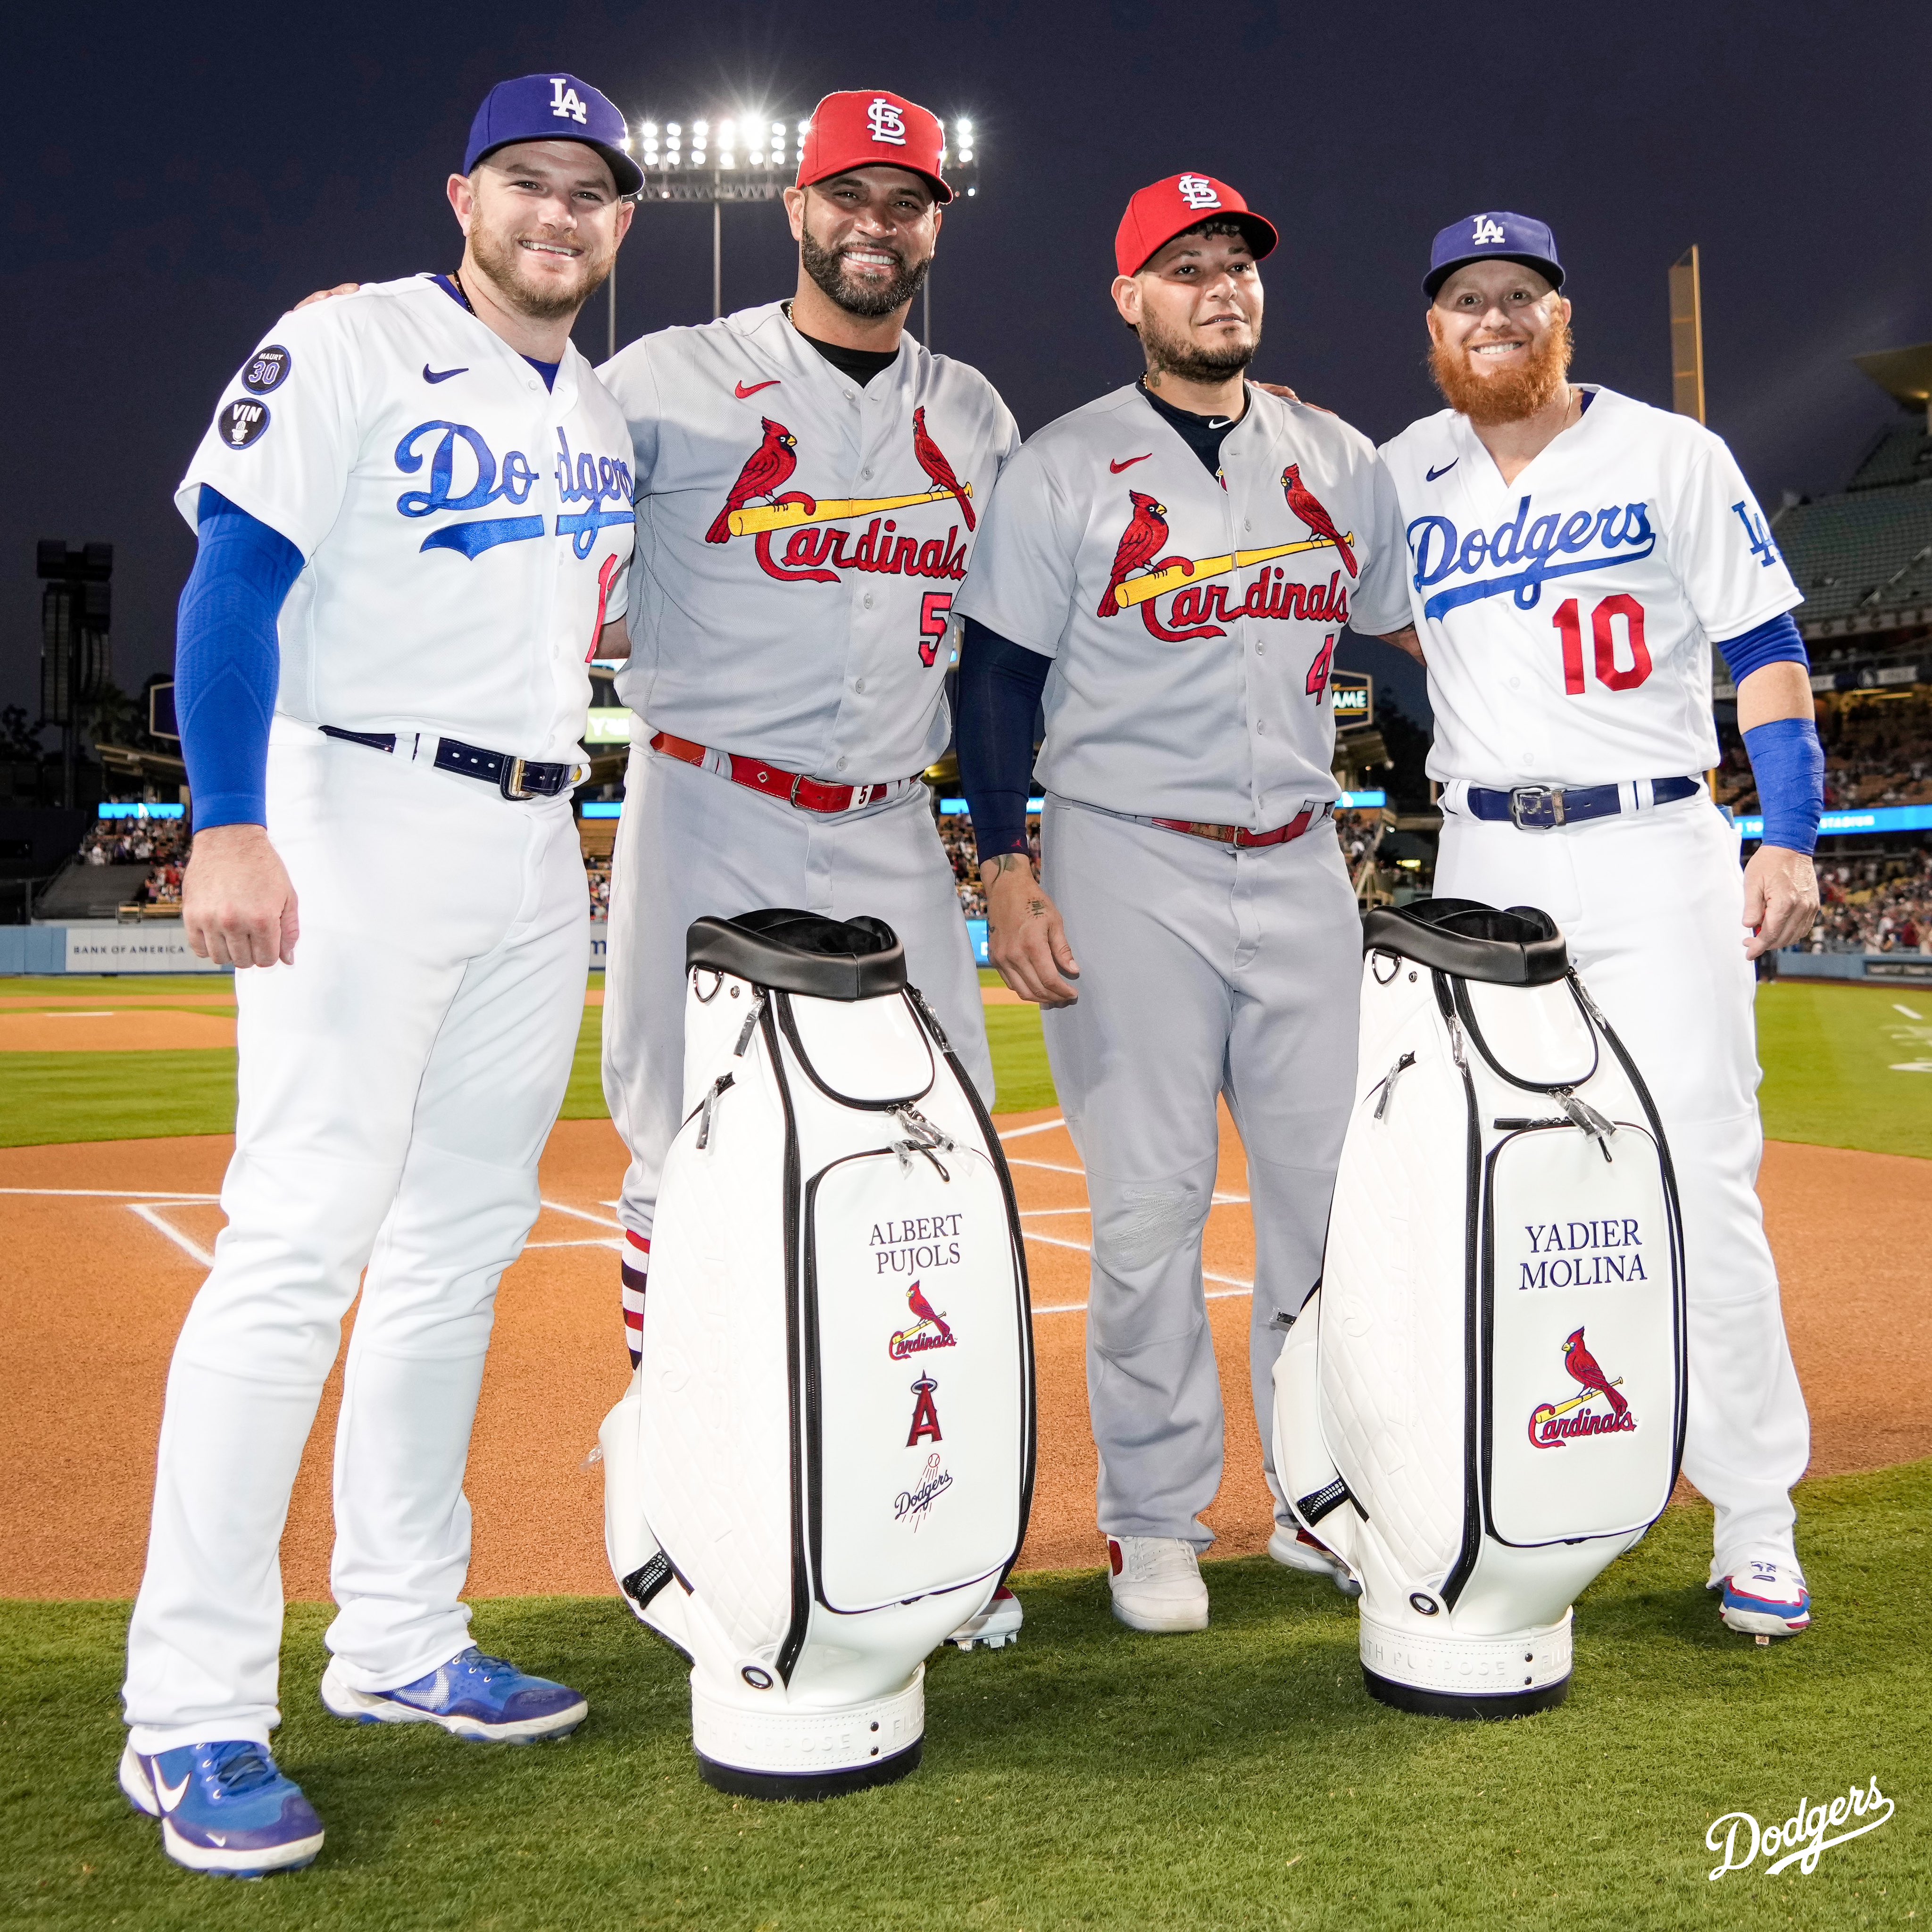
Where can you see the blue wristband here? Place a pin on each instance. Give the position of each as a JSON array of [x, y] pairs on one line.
[[1789, 764]]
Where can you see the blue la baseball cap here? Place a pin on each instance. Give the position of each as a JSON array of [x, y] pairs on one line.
[[553, 107], [1477, 238]]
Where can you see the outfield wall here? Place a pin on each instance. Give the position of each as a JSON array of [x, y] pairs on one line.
[[156, 945], [1877, 968]]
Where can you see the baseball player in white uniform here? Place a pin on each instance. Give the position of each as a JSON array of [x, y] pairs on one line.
[[1172, 566], [429, 487], [810, 483], [1573, 556]]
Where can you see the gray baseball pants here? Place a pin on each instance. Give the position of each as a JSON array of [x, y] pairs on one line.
[[1205, 971], [691, 842]]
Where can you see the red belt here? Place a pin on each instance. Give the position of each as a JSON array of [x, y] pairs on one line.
[[1240, 836], [807, 794]]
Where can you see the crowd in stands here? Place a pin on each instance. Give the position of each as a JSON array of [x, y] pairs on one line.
[[161, 845], [1880, 904], [597, 870], [955, 834], [1876, 753]]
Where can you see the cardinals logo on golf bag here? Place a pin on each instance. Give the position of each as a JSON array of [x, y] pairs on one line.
[[929, 1329], [1553, 1425]]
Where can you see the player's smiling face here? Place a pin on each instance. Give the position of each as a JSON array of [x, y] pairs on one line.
[[866, 237], [1197, 305], [543, 219], [1500, 341]]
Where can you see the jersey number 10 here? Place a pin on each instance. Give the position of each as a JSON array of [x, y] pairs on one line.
[[1569, 623]]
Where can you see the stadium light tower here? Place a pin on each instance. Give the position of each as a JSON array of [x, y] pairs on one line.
[[751, 154], [1687, 336]]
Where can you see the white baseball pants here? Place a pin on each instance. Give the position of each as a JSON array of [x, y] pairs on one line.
[[692, 843], [1203, 971], [1651, 907], [397, 1085]]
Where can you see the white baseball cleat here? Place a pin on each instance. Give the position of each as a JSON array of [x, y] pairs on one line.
[[1293, 1548], [1764, 1597], [999, 1623], [1156, 1581]]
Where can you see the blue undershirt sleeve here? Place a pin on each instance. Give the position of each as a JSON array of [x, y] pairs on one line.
[[1776, 642], [1789, 764], [228, 660], [999, 685]]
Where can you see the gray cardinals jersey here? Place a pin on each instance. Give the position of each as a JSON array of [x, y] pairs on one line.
[[1192, 621], [800, 539]]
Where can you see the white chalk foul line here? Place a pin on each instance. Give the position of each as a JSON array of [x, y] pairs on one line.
[[1038, 1127], [595, 1220], [113, 1194], [149, 1213]]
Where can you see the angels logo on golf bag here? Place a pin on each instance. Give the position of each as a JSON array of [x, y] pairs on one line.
[[758, 506], [1140, 575], [925, 1415], [911, 1505], [1554, 1425], [930, 1329]]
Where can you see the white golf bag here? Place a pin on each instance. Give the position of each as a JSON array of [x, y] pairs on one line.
[[824, 1463], [1482, 1404]]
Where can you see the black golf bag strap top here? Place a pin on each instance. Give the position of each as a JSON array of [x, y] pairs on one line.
[[1519, 947], [794, 952]]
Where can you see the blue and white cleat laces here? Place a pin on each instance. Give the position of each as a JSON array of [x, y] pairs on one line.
[[1765, 1598], [224, 1808], [485, 1699]]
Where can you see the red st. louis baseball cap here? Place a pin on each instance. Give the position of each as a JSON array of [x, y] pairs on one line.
[[868, 128], [1158, 214]]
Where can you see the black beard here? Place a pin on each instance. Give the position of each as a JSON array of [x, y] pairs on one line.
[[1173, 356], [825, 267]]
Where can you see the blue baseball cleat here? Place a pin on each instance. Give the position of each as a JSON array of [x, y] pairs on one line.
[[224, 1808], [1765, 1598], [484, 1698]]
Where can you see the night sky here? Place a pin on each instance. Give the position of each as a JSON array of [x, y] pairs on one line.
[[181, 174]]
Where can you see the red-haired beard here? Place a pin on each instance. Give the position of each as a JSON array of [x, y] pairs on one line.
[[1511, 395]]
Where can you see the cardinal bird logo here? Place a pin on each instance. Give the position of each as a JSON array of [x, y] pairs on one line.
[[932, 461], [766, 471], [1554, 1424], [1305, 505], [1143, 540], [929, 1330]]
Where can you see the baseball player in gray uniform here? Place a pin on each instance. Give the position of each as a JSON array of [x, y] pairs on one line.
[[1171, 566], [810, 481]]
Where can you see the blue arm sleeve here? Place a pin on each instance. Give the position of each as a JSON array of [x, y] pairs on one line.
[[1789, 764], [1776, 642], [228, 660], [999, 685]]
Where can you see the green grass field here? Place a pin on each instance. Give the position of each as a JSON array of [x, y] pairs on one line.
[[1087, 1777], [1829, 1054]]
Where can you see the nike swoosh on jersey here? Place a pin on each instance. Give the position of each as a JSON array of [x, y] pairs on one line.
[[1118, 467], [741, 390], [1431, 477], [443, 375], [170, 1797]]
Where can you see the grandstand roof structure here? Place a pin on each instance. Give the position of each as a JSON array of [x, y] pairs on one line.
[[1863, 557]]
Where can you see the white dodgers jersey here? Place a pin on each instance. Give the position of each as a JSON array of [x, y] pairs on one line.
[[465, 531], [1192, 619], [1567, 617], [800, 537]]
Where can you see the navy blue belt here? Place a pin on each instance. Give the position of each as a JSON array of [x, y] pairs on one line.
[[515, 778], [1542, 808]]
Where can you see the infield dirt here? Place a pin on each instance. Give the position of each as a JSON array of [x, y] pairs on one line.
[[106, 1244]]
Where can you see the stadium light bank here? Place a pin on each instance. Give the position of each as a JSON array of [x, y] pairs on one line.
[[753, 154]]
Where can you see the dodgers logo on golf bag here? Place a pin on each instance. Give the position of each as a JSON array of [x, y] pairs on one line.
[[1504, 1191], [788, 1504]]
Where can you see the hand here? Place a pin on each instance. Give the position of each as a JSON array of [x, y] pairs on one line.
[[1287, 395], [1780, 899], [1405, 640], [237, 904], [1024, 934], [323, 295]]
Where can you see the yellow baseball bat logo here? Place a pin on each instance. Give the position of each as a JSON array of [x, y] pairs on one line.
[[756, 519], [1140, 590]]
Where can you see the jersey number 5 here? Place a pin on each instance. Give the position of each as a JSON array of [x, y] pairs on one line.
[[1569, 623], [935, 610]]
